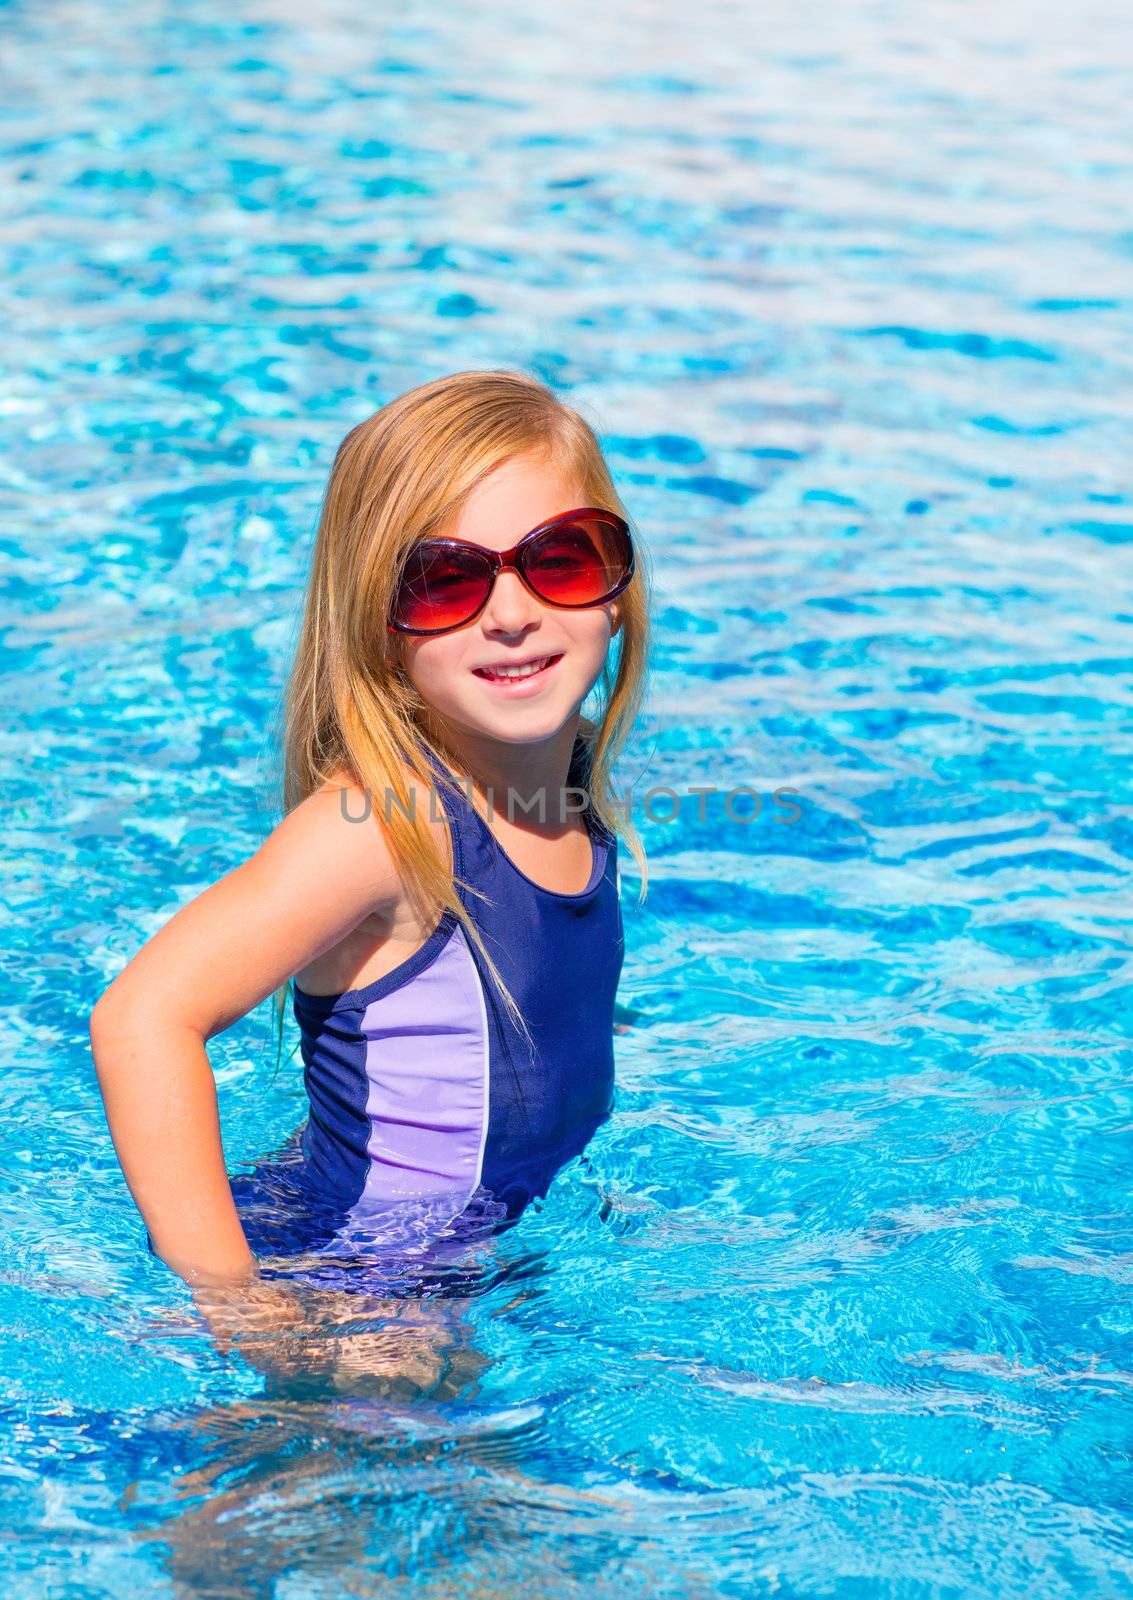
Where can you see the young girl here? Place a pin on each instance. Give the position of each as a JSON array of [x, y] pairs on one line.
[[447, 911]]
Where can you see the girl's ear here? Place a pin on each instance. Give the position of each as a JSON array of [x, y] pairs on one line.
[[615, 619]]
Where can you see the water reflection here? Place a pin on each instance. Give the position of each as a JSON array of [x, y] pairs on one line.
[[371, 1415]]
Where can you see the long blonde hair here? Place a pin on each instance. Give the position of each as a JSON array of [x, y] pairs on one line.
[[400, 476]]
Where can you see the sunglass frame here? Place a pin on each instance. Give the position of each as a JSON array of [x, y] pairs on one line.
[[497, 560]]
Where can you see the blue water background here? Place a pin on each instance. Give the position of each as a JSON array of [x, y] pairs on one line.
[[841, 1300]]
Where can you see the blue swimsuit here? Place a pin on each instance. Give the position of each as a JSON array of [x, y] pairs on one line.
[[426, 1101]]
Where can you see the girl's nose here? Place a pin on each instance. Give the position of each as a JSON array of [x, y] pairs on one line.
[[510, 604]]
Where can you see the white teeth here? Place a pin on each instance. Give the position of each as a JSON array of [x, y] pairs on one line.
[[515, 672]]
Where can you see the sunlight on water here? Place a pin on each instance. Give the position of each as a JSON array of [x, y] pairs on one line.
[[838, 1302]]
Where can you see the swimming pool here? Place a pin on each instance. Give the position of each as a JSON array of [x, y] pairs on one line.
[[838, 1302]]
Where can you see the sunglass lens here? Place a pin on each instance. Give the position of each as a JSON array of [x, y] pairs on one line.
[[440, 588], [578, 563]]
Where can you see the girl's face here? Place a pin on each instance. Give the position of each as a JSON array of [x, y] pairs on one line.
[[514, 627]]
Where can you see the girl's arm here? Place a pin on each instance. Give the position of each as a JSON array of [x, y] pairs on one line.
[[311, 882]]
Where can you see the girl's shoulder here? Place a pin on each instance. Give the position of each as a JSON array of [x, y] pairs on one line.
[[355, 801], [341, 780], [343, 823]]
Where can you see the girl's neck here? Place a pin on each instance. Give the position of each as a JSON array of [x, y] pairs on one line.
[[523, 769]]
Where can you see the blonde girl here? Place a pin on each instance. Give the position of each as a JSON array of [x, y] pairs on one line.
[[442, 892]]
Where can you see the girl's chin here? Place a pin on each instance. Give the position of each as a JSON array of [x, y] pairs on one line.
[[512, 724]]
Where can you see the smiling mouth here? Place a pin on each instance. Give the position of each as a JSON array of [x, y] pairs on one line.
[[522, 674]]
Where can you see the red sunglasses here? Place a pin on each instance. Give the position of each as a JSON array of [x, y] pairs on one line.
[[579, 558]]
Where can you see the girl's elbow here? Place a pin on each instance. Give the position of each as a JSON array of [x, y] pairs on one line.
[[100, 1017], [108, 1010], [114, 1016]]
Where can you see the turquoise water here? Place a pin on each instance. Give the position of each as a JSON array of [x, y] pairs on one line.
[[840, 1301]]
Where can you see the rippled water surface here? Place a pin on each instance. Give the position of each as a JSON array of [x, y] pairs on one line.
[[839, 1301]]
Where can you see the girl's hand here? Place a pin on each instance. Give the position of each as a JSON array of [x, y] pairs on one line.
[[302, 1335], [257, 1316]]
